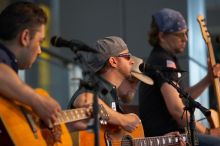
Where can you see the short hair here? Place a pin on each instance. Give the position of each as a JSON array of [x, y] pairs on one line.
[[19, 16], [153, 34]]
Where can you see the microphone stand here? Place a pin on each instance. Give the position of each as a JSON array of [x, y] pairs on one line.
[[190, 105], [95, 88]]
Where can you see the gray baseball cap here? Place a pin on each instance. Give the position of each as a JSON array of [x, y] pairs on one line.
[[107, 47]]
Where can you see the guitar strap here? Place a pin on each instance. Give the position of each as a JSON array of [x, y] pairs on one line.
[[116, 102], [12, 62]]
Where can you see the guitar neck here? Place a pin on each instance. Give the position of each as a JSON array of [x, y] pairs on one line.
[[207, 39], [216, 80], [72, 115], [159, 141]]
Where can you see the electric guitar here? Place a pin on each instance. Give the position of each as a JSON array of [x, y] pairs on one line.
[[115, 136], [19, 126], [214, 118]]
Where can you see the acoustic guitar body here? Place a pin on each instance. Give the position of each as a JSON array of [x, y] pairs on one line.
[[108, 135], [15, 129]]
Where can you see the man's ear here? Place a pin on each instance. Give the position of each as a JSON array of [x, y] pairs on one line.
[[161, 36], [112, 61], [24, 37]]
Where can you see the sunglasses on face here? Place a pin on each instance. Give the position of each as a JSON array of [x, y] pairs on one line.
[[180, 34], [125, 55]]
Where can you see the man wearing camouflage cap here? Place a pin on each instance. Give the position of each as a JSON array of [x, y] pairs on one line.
[[161, 107]]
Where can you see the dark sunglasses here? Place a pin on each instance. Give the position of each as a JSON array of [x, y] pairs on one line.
[[125, 55], [179, 34]]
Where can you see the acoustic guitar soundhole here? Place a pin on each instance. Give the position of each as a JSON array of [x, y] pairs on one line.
[[5, 140], [51, 136]]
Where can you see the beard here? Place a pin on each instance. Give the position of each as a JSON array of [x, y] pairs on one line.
[[128, 97], [128, 89]]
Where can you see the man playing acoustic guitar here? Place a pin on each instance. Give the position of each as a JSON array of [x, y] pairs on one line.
[[162, 102], [113, 66], [22, 30]]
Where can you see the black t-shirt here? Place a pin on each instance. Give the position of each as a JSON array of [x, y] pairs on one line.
[[154, 114], [106, 92], [8, 58]]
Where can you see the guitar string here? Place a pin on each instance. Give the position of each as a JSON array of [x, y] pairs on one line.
[[138, 141]]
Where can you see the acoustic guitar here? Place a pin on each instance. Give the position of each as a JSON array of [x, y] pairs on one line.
[[214, 118], [115, 136], [19, 126]]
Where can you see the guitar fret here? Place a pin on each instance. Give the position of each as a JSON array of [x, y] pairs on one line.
[[65, 117], [158, 141], [184, 138], [163, 141], [145, 143], [169, 140], [176, 140], [140, 143], [79, 114], [71, 115], [154, 141], [61, 117], [151, 143]]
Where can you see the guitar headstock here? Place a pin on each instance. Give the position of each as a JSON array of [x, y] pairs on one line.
[[204, 30], [104, 117]]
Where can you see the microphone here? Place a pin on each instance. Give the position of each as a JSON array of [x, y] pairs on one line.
[[147, 67], [76, 45]]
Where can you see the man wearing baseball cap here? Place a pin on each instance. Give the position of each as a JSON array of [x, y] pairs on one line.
[[112, 64], [117, 77], [161, 107]]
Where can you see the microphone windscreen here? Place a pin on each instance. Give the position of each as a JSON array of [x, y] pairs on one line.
[[60, 42], [141, 67], [53, 40], [217, 39]]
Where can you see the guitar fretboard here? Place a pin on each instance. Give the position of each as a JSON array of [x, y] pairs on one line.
[[80, 114], [155, 141], [71, 116]]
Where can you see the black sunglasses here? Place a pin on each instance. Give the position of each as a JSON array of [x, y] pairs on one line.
[[125, 55], [181, 34], [178, 34]]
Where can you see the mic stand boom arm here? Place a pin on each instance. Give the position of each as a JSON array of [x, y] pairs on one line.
[[76, 46], [95, 88], [190, 105]]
